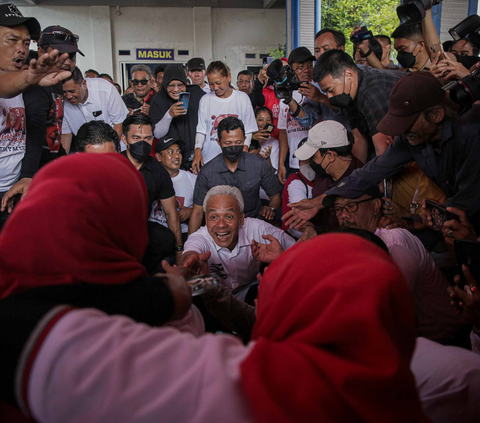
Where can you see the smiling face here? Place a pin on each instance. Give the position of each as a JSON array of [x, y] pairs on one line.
[[141, 78], [220, 84], [75, 93], [174, 88], [14, 47], [304, 70], [263, 118], [223, 219], [170, 158]]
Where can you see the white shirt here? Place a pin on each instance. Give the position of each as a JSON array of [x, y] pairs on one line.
[[237, 269], [183, 184], [13, 136], [436, 318], [297, 192], [213, 110], [295, 131], [275, 152], [207, 89], [102, 96]]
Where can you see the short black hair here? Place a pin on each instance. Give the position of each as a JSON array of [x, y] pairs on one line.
[[254, 145], [245, 72], [106, 75], [475, 49], [96, 132], [411, 32], [383, 37], [334, 63], [344, 151], [76, 76], [92, 71], [338, 36], [261, 109], [137, 119], [369, 236], [158, 69], [447, 45], [376, 48], [230, 123]]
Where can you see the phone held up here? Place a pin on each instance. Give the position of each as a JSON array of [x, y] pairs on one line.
[[184, 98], [439, 214]]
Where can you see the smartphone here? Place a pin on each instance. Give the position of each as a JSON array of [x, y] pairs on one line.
[[468, 253], [202, 284], [135, 111], [439, 214], [435, 48], [269, 128], [184, 98], [388, 189]]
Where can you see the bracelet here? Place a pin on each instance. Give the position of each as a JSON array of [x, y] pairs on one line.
[[297, 111], [368, 53], [179, 248]]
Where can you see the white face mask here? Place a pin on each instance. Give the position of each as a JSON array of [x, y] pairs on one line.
[[308, 172]]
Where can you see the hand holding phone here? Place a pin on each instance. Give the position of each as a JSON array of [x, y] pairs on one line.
[[185, 99], [439, 214], [468, 254], [269, 128]]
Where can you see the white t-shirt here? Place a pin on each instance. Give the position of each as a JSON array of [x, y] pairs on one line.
[[183, 184], [13, 137], [102, 96], [295, 131], [237, 269], [274, 154], [436, 318], [297, 192], [207, 89], [213, 110]]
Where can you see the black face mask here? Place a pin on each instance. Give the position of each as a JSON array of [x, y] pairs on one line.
[[407, 59], [140, 150], [318, 169], [233, 152], [343, 101]]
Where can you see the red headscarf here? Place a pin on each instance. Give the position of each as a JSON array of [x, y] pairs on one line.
[[84, 219], [334, 335]]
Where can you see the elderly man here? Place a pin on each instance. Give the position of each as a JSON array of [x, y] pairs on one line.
[[139, 101], [358, 205], [237, 168], [228, 235]]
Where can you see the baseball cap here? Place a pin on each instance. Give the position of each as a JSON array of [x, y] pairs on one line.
[[326, 134], [196, 64], [165, 142], [352, 187], [64, 40], [11, 16], [300, 55], [411, 95]]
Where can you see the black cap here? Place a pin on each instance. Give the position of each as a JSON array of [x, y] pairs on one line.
[[68, 45], [352, 187], [303, 141], [196, 64], [300, 55], [11, 16], [165, 142]]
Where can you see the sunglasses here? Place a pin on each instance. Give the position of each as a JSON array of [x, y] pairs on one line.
[[141, 82], [62, 36]]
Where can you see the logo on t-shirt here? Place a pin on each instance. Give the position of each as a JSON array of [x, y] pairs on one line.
[[13, 130], [217, 120], [218, 269]]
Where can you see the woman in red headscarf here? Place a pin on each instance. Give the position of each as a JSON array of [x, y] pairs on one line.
[[79, 236], [331, 344]]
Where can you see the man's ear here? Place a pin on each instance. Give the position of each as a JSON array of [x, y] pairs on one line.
[[242, 219], [377, 206], [439, 114], [158, 156], [342, 48], [124, 140]]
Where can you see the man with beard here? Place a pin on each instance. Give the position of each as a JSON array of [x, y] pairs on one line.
[[44, 105]]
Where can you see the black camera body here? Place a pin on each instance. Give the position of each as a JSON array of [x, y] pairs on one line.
[[285, 79], [413, 11], [470, 27], [362, 35]]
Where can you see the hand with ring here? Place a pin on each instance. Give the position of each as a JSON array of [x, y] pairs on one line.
[[453, 229]]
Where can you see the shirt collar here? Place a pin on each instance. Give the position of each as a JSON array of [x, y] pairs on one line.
[[241, 164]]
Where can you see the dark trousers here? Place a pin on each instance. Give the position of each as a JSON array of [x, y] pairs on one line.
[[161, 246]]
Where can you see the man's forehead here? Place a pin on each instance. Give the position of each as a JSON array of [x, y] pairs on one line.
[[345, 200], [326, 39], [140, 74], [301, 63], [222, 203], [17, 30]]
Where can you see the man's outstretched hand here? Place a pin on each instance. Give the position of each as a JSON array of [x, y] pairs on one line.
[[193, 264], [47, 70], [266, 253], [301, 212]]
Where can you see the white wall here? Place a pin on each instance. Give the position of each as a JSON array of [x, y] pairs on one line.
[[214, 34], [453, 12]]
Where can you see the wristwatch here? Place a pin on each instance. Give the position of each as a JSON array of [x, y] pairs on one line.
[[179, 248], [366, 54]]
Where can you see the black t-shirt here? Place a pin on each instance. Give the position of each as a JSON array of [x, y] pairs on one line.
[[44, 118], [132, 103], [157, 179]]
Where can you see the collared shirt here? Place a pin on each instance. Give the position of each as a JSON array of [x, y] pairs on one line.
[[132, 103], [237, 268], [371, 102], [103, 100], [252, 173], [157, 179], [455, 168]]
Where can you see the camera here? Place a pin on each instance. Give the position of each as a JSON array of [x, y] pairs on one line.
[[468, 27], [285, 79], [362, 35], [413, 11]]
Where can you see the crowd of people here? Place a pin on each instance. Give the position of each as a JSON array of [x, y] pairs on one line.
[[144, 271]]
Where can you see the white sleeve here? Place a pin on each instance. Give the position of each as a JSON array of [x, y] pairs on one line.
[[199, 140], [117, 111], [202, 118], [248, 139], [196, 242], [65, 127], [162, 127], [297, 191], [407, 262], [248, 116], [282, 116]]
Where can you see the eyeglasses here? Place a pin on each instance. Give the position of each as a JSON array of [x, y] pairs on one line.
[[141, 82], [62, 36], [180, 87], [244, 82], [72, 57], [300, 69], [349, 207]]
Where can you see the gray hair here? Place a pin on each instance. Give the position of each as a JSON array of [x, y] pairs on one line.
[[141, 68], [224, 190]]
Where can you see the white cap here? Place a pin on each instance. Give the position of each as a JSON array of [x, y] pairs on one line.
[[326, 134]]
